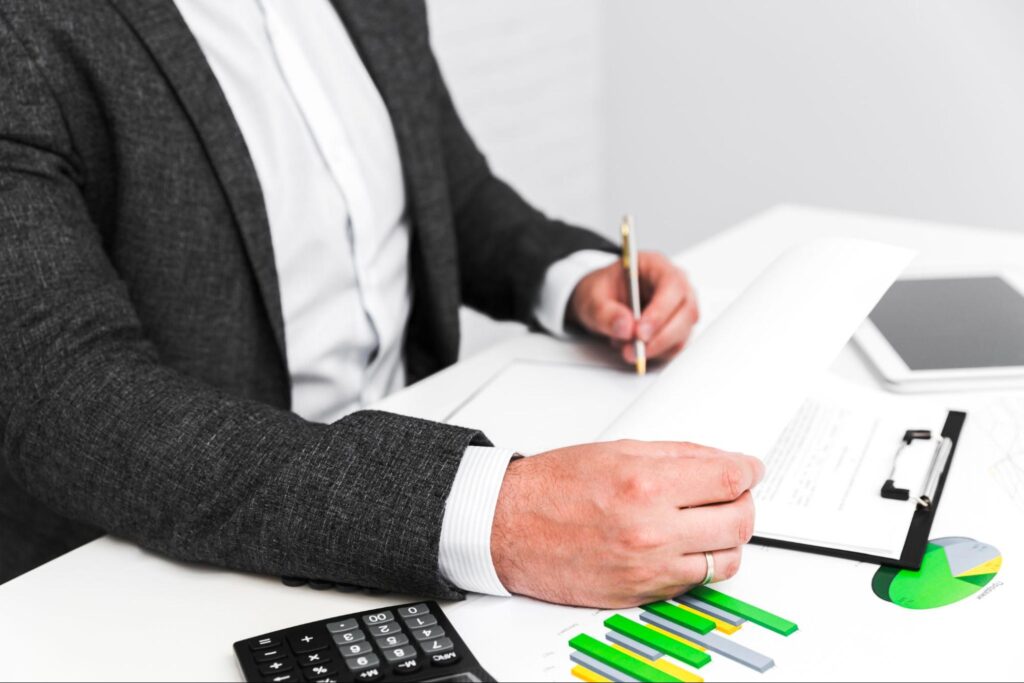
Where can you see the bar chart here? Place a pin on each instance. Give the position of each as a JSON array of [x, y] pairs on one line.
[[672, 640]]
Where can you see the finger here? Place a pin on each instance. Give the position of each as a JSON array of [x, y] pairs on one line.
[[715, 479], [679, 449], [610, 318], [674, 333], [711, 453], [670, 289], [715, 527], [691, 569], [687, 455]]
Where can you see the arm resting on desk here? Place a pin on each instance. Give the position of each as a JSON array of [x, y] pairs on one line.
[[93, 424]]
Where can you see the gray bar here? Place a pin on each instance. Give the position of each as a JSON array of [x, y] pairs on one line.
[[716, 612], [630, 644], [715, 643], [597, 667]]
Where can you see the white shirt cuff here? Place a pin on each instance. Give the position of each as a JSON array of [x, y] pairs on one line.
[[464, 556], [560, 281]]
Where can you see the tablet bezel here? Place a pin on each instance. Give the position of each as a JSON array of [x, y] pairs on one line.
[[896, 372]]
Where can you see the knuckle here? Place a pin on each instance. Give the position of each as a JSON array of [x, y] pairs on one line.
[[744, 527], [597, 311], [731, 565], [636, 574], [638, 487], [641, 539], [731, 477]]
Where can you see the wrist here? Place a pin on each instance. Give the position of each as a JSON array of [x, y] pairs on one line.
[[508, 513]]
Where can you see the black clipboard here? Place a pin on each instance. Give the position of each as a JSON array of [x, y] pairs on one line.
[[920, 525]]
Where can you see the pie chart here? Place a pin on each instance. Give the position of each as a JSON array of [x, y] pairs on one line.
[[953, 568]]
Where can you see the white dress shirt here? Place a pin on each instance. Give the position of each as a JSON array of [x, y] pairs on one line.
[[327, 159]]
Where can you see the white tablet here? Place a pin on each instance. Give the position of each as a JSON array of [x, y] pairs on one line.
[[940, 333]]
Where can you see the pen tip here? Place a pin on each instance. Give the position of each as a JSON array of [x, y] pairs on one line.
[[641, 366]]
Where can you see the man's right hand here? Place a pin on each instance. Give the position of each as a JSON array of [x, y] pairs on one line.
[[623, 523]]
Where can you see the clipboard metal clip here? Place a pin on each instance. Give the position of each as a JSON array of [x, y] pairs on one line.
[[940, 456]]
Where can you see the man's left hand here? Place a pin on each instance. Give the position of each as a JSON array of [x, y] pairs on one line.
[[600, 304]]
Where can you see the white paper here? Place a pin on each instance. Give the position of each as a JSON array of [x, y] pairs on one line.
[[824, 474], [1000, 425], [535, 406], [739, 383]]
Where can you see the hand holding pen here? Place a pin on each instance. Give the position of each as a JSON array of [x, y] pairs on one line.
[[666, 308]]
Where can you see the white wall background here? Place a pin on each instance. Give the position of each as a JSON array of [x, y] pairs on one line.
[[695, 114]]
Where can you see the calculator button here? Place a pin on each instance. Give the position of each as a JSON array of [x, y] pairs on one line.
[[313, 659], [437, 645], [349, 637], [293, 677], [369, 675], [392, 641], [444, 658], [270, 655], [354, 649], [279, 667], [385, 629], [264, 643], [378, 618], [413, 611], [397, 654], [313, 673], [320, 585], [408, 666], [362, 663], [421, 621], [307, 642], [342, 626], [422, 634], [294, 581]]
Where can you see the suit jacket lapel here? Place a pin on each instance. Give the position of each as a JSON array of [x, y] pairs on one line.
[[400, 80], [162, 29]]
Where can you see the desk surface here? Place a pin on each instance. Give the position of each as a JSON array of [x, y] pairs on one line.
[[121, 613]]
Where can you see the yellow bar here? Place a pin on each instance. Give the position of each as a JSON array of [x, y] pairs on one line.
[[589, 676], [728, 629], [684, 641], [666, 667]]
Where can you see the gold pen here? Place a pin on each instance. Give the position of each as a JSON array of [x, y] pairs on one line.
[[631, 267]]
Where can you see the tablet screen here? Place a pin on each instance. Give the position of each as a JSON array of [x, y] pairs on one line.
[[951, 323]]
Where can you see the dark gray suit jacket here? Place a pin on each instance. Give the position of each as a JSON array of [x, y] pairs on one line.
[[143, 384]]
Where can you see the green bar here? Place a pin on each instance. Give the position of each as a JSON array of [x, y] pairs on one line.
[[659, 641], [745, 610], [623, 662], [682, 617]]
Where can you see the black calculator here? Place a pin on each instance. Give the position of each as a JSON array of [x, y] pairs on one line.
[[413, 642]]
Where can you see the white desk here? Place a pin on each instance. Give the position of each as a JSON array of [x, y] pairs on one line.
[[120, 613]]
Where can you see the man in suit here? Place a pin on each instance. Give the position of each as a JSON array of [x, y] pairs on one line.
[[226, 226]]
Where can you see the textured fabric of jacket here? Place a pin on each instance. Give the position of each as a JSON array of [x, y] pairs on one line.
[[143, 386]]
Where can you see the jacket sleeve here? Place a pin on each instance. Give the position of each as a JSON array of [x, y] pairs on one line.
[[505, 245], [93, 425]]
